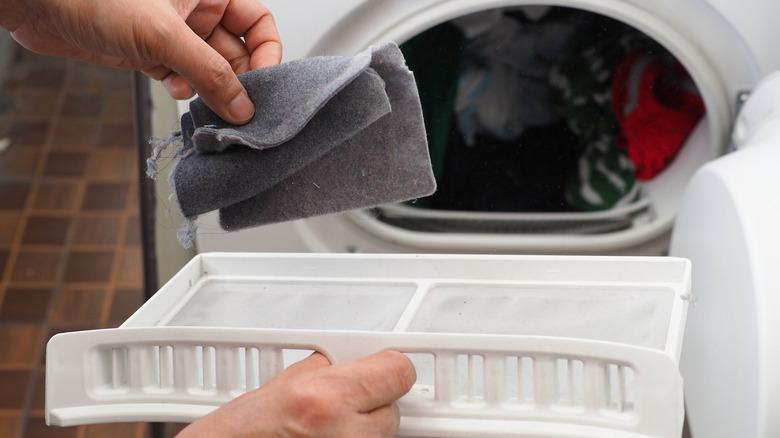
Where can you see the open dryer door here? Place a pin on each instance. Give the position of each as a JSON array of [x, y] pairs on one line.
[[729, 226]]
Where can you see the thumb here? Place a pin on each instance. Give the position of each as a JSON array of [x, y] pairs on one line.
[[380, 379], [209, 74]]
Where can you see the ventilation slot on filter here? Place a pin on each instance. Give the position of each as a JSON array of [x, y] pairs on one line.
[[206, 368], [118, 380], [161, 378], [545, 381], [235, 370], [110, 370], [470, 374], [570, 383], [424, 388], [253, 367], [481, 380], [567, 379], [474, 379], [620, 381], [519, 378], [271, 363]]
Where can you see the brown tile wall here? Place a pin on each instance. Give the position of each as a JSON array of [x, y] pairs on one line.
[[70, 256]]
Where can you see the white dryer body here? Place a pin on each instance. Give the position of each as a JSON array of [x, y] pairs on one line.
[[720, 198]]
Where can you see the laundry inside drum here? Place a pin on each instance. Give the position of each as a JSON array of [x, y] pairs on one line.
[[545, 111]]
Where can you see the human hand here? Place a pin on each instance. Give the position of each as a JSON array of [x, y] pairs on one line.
[[190, 45], [315, 399]]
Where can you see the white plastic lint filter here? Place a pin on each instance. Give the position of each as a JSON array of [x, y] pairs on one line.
[[503, 345]]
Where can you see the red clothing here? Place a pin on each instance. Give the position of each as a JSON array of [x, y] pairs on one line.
[[658, 106]]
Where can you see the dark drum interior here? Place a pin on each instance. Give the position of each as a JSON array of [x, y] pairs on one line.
[[546, 110]]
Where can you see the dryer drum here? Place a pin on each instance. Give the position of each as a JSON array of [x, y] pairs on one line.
[[547, 120]]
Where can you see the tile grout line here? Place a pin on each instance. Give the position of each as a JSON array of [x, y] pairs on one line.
[[71, 245], [58, 283], [59, 275], [13, 247], [120, 253], [27, 212], [47, 248], [16, 245], [112, 286], [34, 183]]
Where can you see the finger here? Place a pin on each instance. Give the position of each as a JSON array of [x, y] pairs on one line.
[[205, 17], [231, 48], [208, 72], [178, 87], [380, 379], [311, 363], [158, 72], [385, 420], [226, 44], [253, 21]]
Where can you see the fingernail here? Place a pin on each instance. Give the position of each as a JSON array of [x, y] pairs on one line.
[[241, 108]]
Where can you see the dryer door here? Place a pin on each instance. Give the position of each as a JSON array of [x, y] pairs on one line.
[[729, 226]]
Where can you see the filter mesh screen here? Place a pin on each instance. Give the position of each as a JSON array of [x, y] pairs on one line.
[[639, 318], [296, 305]]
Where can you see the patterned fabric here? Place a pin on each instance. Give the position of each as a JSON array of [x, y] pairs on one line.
[[605, 177], [658, 106], [503, 88]]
